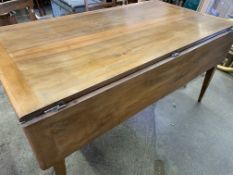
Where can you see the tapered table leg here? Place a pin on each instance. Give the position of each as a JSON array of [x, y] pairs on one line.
[[40, 7], [208, 76], [60, 168]]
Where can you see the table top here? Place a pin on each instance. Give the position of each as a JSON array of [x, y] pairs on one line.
[[45, 62]]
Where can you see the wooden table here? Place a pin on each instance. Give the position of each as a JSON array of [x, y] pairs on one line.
[[72, 78]]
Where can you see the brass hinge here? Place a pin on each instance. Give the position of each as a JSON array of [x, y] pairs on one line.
[[55, 108]]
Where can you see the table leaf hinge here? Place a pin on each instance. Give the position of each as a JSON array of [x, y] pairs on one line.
[[55, 108], [175, 54]]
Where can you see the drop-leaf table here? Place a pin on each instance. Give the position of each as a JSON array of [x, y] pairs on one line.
[[72, 78]]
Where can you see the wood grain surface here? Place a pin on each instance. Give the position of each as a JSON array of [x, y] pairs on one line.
[[67, 57], [57, 135]]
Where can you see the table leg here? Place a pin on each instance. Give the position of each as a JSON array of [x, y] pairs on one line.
[[40, 7], [208, 76], [60, 168]]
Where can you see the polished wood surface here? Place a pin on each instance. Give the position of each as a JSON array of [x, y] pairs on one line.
[[91, 115], [101, 68], [71, 56]]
